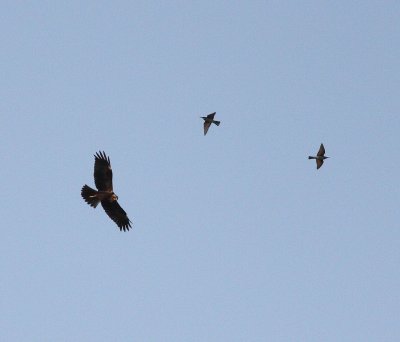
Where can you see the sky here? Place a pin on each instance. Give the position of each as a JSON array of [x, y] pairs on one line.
[[236, 236]]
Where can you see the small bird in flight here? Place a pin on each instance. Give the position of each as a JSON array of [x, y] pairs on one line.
[[208, 120], [105, 194], [319, 158]]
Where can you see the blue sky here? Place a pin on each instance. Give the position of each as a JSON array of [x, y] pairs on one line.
[[237, 237]]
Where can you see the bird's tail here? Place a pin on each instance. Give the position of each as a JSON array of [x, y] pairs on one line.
[[89, 195], [217, 122], [309, 157]]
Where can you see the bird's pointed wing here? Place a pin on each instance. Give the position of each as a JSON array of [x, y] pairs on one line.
[[211, 116], [319, 163], [102, 172], [321, 151], [206, 126], [117, 214]]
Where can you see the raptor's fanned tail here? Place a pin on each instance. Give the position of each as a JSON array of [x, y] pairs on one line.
[[89, 195]]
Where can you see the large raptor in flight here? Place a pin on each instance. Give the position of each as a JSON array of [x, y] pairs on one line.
[[105, 194]]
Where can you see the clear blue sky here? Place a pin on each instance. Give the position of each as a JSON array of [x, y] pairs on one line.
[[237, 236]]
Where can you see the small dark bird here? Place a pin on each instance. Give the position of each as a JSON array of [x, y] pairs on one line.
[[319, 158], [208, 120], [105, 194]]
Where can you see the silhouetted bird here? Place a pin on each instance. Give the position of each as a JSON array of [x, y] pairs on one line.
[[208, 120], [319, 158], [105, 194]]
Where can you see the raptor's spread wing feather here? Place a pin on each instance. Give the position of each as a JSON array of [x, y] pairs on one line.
[[117, 214], [102, 172]]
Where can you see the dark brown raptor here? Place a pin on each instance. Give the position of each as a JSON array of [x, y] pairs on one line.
[[105, 194]]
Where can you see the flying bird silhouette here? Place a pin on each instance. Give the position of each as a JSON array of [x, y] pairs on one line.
[[319, 158], [208, 120], [105, 194]]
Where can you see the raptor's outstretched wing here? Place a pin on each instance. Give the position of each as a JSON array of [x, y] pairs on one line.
[[102, 172], [117, 214]]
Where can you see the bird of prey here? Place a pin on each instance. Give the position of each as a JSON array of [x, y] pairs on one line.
[[105, 194], [319, 158], [208, 120]]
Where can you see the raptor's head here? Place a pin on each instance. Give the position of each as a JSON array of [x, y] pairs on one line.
[[114, 197]]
